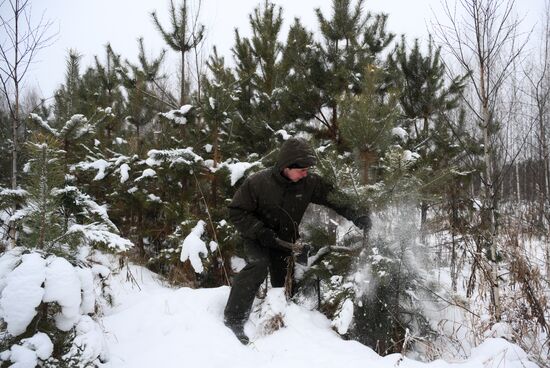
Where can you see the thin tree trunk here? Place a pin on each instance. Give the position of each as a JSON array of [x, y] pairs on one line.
[[543, 192], [518, 186], [197, 70], [454, 220], [15, 125], [43, 198], [423, 220], [490, 190], [217, 159], [489, 207], [182, 86], [334, 125], [184, 20]]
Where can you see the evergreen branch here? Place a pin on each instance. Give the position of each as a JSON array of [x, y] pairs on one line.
[[214, 234]]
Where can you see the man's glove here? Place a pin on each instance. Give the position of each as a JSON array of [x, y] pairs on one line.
[[295, 248], [363, 222], [266, 237]]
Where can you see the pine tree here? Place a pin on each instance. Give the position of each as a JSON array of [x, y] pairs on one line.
[[424, 95], [218, 110], [103, 84], [67, 97], [183, 37], [301, 97], [259, 76], [378, 276], [44, 225], [351, 43], [142, 100], [423, 90], [368, 121]]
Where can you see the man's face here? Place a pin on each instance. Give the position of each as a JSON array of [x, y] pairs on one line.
[[295, 175]]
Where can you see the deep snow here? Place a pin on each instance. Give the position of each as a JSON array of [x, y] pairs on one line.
[[153, 325]]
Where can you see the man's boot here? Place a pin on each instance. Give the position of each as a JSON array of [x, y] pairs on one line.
[[238, 330]]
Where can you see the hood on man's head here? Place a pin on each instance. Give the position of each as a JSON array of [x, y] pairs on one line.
[[297, 153]]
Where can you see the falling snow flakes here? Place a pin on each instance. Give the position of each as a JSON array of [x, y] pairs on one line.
[[177, 116]]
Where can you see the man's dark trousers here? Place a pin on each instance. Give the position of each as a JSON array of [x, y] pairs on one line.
[[246, 283]]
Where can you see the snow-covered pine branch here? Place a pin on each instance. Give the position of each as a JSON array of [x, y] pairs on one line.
[[101, 234], [237, 169], [9, 196], [119, 164], [193, 247], [75, 127], [87, 206], [173, 157], [100, 165], [44, 125], [178, 117]]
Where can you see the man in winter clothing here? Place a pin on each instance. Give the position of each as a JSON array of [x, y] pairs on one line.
[[267, 208]]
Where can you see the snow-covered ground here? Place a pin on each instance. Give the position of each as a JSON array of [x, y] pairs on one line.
[[152, 325]]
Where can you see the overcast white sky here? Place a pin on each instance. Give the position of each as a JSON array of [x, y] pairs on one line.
[[87, 26]]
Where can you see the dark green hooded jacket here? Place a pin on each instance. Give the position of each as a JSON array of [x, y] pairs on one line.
[[268, 199]]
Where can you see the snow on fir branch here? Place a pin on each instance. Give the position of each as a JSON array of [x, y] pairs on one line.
[[173, 157], [75, 127], [100, 165], [177, 116], [88, 206], [193, 247], [100, 233]]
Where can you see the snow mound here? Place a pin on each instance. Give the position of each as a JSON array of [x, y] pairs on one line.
[[62, 285], [27, 354], [23, 293], [153, 325], [27, 281]]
